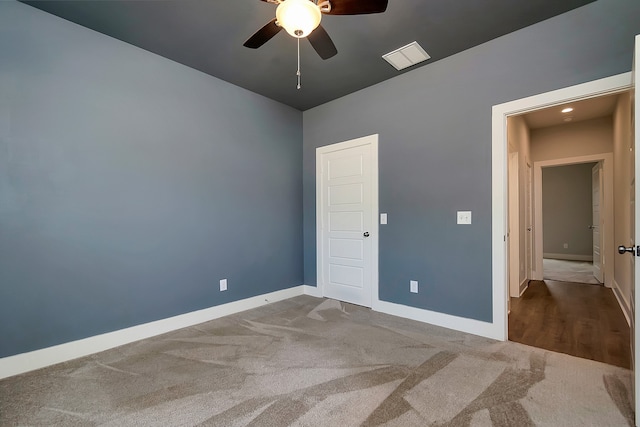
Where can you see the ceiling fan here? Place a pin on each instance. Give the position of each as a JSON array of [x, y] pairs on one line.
[[301, 18]]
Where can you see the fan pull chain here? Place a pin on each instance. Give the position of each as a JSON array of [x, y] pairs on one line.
[[298, 72]]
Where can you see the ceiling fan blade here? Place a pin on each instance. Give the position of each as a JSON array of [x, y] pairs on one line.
[[322, 43], [357, 7], [263, 35]]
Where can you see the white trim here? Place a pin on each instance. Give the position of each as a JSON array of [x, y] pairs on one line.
[[499, 116], [313, 291], [371, 140], [523, 286], [528, 211], [622, 301], [462, 324], [25, 362], [568, 257], [456, 323], [513, 187]]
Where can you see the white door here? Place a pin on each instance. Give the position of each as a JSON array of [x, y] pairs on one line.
[[596, 222], [635, 228], [634, 238], [347, 220]]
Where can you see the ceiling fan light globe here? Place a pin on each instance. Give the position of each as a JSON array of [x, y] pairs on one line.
[[298, 17]]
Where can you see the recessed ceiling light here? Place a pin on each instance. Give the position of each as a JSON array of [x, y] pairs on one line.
[[567, 110]]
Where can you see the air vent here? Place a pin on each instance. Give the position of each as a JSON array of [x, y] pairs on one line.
[[406, 56]]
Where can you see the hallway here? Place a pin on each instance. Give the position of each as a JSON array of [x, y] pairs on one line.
[[572, 318]]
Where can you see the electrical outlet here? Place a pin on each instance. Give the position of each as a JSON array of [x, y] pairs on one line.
[[223, 284], [464, 217], [566, 246], [413, 286]]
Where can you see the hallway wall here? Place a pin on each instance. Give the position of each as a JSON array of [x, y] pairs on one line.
[[572, 139], [567, 212], [622, 208]]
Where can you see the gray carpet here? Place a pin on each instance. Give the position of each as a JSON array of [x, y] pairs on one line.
[[313, 362], [569, 271]]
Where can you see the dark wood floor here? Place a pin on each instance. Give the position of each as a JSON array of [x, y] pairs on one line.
[[573, 318]]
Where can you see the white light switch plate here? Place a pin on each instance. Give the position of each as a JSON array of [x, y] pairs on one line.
[[383, 218], [223, 284], [464, 217]]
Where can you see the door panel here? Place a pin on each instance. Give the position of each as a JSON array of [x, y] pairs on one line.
[[346, 221], [347, 210], [635, 230], [345, 194], [346, 248]]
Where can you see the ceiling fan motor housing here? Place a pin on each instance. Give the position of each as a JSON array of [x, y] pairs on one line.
[[298, 17], [301, 18]]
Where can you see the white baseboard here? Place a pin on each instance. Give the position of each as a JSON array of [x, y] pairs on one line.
[[568, 257], [312, 291], [523, 286], [462, 324], [622, 301], [25, 362]]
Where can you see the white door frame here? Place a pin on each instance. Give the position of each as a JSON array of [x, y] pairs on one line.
[[607, 212], [371, 140], [530, 242], [514, 225], [499, 263], [597, 229]]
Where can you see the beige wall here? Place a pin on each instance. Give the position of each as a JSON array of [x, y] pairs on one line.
[[518, 136], [621, 182], [572, 139]]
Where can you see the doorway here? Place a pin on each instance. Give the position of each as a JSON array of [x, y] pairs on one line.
[[572, 229], [556, 315], [627, 238], [610, 85], [548, 243]]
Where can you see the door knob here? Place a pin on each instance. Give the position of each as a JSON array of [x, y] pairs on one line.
[[591, 227], [366, 234], [624, 249]]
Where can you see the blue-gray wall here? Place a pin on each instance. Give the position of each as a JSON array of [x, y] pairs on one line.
[[130, 184], [435, 148]]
